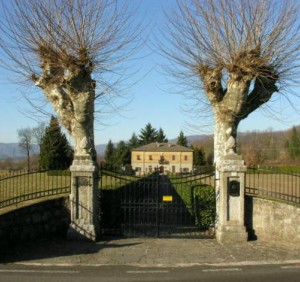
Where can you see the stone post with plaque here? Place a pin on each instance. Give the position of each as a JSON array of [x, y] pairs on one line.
[[230, 196], [84, 200]]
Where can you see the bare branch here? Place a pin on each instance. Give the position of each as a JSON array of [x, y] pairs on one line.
[[65, 48], [242, 38], [238, 53]]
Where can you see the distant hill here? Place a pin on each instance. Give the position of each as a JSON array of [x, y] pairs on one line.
[[192, 138], [101, 149], [13, 151]]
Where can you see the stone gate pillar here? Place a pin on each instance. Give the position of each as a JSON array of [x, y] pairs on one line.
[[83, 200], [230, 196]]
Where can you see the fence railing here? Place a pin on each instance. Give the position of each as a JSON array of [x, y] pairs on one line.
[[17, 187], [273, 184]]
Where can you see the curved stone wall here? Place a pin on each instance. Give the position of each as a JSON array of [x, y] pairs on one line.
[[43, 220]]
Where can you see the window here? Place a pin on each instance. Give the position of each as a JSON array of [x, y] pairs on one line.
[[138, 157], [150, 168], [185, 158], [150, 158], [173, 158]]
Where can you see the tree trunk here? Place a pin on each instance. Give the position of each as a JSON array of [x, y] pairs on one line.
[[73, 98], [81, 125], [28, 160], [225, 133]]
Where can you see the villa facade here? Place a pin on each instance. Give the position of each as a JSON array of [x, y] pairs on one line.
[[165, 157]]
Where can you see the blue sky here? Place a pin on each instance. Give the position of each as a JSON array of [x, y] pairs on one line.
[[151, 98]]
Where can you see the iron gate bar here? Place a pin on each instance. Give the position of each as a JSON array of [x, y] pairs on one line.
[[135, 204]]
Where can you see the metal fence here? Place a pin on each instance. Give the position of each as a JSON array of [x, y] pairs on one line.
[[156, 204], [17, 187], [273, 184]]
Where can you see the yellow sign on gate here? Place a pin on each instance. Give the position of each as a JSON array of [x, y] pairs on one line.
[[167, 198]]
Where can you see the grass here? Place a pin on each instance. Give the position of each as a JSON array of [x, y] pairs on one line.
[[33, 185], [275, 169], [276, 183], [198, 194], [113, 180]]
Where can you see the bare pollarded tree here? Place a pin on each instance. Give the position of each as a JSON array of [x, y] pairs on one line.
[[238, 53], [25, 142], [65, 47]]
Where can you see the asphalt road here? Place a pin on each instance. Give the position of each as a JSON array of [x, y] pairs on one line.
[[264, 273]]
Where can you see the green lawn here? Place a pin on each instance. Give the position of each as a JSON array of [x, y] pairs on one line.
[[41, 184]]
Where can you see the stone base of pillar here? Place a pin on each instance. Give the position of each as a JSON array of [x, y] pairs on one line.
[[82, 233], [231, 233], [84, 200]]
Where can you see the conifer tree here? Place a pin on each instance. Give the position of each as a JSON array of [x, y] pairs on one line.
[[148, 134], [198, 156], [161, 137], [182, 140], [56, 152], [122, 154], [293, 144], [109, 153], [133, 141]]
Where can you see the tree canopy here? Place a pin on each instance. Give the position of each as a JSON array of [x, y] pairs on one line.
[[293, 144], [182, 140], [109, 153], [238, 53], [66, 48], [56, 152], [148, 134]]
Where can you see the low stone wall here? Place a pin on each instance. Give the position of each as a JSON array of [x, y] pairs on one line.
[[43, 220], [268, 220]]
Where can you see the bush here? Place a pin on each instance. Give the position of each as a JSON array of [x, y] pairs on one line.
[[205, 206]]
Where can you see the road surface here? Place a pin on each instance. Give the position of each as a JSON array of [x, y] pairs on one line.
[[237, 273]]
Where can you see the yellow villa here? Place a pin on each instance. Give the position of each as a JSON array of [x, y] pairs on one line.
[[163, 156]]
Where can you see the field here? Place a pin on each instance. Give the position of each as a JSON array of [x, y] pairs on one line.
[[18, 187], [274, 185]]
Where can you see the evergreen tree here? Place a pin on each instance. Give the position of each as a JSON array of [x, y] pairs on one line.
[[182, 140], [198, 156], [148, 134], [161, 137], [133, 141], [293, 145], [56, 152], [121, 155], [109, 153], [210, 158]]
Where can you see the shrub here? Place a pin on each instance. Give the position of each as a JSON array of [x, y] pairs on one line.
[[205, 206]]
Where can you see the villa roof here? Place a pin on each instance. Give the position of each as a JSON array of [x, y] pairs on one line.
[[162, 147]]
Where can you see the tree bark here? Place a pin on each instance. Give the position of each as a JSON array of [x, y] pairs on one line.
[[228, 106], [72, 97], [224, 137]]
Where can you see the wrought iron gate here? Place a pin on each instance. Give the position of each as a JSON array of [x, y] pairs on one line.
[[154, 205]]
